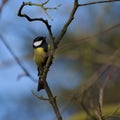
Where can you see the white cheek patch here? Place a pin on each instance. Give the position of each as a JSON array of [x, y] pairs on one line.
[[37, 43]]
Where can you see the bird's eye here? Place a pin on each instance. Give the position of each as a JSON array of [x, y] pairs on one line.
[[37, 43]]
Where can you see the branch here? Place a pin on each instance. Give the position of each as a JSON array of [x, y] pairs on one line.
[[52, 99], [101, 93], [2, 4], [42, 6], [40, 97], [64, 29], [50, 58], [85, 108], [86, 39], [48, 26], [16, 58], [10, 62], [35, 19], [100, 72], [98, 2]]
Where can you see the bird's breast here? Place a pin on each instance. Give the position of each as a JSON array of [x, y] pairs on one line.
[[39, 56]]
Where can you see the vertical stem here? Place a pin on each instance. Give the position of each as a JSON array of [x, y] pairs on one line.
[[52, 101]]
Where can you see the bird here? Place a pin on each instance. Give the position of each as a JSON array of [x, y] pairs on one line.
[[41, 49]]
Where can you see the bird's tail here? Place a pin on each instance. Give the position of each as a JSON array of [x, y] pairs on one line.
[[40, 81], [40, 84]]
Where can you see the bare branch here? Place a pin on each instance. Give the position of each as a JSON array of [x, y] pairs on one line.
[[40, 97], [2, 4], [101, 93], [64, 29], [98, 2], [116, 110], [109, 29], [35, 19], [10, 62], [42, 6], [16, 58], [38, 19], [52, 99], [85, 108], [101, 71]]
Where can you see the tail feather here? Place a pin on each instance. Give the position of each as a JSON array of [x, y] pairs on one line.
[[38, 71], [40, 84], [40, 81]]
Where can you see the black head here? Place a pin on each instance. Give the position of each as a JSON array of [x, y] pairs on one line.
[[40, 41]]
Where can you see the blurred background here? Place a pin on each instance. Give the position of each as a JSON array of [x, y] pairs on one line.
[[92, 39]]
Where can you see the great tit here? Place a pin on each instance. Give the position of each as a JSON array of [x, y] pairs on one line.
[[41, 48]]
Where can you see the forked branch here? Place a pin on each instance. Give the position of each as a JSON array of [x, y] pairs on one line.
[[51, 98]]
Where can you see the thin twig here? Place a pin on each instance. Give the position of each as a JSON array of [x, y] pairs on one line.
[[65, 27], [42, 6], [35, 19], [116, 111], [2, 4], [100, 72], [109, 29], [16, 58], [98, 2], [84, 106], [101, 93], [40, 97]]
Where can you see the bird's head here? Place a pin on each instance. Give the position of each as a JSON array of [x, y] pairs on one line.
[[39, 41]]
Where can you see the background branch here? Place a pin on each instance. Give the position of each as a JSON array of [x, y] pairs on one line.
[[2, 4], [16, 58], [109, 29], [85, 108], [97, 2], [101, 93], [90, 81], [65, 27]]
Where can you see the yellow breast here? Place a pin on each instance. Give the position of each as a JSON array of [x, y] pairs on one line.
[[39, 56]]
